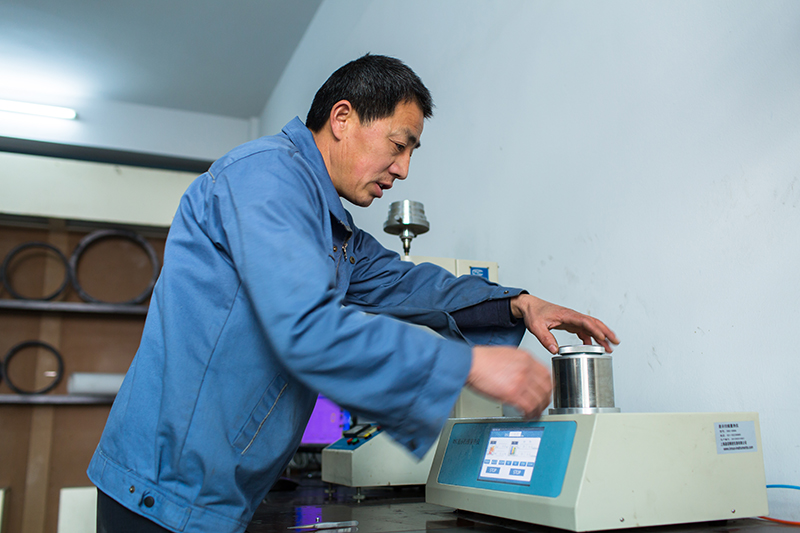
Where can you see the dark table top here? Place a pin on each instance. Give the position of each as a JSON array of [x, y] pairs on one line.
[[403, 510]]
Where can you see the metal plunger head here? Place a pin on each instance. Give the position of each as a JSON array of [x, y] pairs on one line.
[[406, 219]]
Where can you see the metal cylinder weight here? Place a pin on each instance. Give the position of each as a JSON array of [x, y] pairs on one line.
[[583, 382]]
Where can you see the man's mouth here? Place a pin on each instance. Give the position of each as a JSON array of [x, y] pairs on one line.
[[382, 187]]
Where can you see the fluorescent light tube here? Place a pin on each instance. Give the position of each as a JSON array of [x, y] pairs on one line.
[[38, 109]]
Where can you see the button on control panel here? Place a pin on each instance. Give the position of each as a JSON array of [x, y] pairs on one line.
[[360, 433]]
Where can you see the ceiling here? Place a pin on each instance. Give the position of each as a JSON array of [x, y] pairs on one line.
[[206, 56]]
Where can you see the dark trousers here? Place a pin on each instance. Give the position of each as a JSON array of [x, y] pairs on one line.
[[114, 518]]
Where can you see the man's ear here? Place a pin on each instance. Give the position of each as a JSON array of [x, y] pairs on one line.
[[342, 115]]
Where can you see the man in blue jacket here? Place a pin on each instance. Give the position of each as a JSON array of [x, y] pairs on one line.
[[270, 294]]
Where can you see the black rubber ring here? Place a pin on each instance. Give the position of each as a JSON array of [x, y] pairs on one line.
[[25, 246], [27, 344], [113, 233]]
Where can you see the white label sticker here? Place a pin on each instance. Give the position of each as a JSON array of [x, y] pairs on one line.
[[735, 437]]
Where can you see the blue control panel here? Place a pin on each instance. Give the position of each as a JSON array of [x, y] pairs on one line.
[[523, 457]]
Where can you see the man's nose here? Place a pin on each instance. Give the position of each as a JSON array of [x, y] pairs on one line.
[[399, 168]]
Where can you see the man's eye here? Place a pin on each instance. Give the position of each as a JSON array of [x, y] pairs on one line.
[[399, 147]]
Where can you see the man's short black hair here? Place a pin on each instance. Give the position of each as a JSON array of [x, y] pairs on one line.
[[374, 85]]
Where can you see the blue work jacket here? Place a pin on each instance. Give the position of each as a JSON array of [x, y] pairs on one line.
[[269, 295]]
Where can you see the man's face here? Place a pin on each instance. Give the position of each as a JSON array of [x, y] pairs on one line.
[[374, 155]]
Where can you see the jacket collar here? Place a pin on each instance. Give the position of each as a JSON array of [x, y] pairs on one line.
[[303, 139]]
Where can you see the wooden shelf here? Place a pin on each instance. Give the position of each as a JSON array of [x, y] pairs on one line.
[[54, 399], [73, 307], [47, 440]]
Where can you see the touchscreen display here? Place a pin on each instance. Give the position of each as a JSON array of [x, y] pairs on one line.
[[511, 455]]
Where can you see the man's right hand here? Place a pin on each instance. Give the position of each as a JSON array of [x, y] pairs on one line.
[[511, 376]]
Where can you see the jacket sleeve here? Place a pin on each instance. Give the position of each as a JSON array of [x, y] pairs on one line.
[[424, 294], [272, 221]]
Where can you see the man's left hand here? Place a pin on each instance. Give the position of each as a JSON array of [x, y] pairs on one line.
[[541, 316]]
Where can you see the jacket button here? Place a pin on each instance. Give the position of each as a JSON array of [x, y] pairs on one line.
[[149, 501], [335, 249], [132, 489], [352, 260]]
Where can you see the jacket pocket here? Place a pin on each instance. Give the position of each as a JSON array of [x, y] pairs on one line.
[[266, 407]]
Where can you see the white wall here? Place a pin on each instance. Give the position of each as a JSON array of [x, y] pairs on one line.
[[639, 161]]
